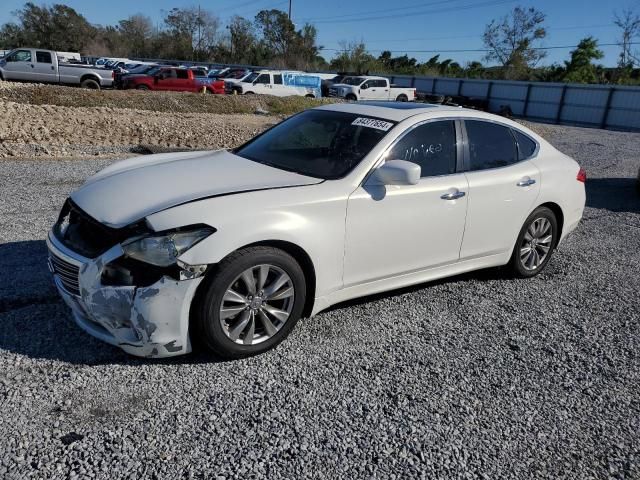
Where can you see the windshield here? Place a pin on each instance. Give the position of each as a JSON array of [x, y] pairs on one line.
[[317, 143], [251, 78], [353, 80]]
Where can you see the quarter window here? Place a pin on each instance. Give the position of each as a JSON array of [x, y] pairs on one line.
[[490, 145], [43, 57], [432, 146], [277, 79], [526, 146]]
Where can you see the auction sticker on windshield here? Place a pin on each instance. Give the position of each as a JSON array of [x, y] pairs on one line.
[[372, 123]]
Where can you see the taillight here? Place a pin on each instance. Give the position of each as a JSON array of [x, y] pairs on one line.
[[582, 175], [113, 74]]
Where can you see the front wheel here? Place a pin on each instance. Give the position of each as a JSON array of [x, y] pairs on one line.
[[142, 87], [534, 247], [351, 97], [251, 303]]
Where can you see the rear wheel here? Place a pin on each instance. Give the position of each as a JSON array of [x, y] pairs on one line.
[[534, 247], [310, 95], [142, 87], [90, 84], [251, 304], [402, 98]]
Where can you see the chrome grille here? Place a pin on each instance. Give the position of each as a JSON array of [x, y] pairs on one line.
[[67, 272]]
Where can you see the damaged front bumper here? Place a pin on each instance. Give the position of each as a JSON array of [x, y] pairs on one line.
[[151, 321]]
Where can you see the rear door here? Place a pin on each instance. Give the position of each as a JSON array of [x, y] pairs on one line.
[[504, 184], [19, 65], [44, 68]]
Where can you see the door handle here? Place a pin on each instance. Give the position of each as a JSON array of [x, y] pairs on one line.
[[525, 182], [452, 195]]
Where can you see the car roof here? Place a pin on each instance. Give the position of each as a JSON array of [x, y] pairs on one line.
[[396, 111]]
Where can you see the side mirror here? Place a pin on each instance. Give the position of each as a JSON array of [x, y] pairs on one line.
[[396, 172]]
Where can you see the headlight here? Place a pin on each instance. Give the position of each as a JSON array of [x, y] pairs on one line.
[[162, 250]]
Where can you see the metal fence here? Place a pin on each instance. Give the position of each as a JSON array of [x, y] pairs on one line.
[[601, 106]]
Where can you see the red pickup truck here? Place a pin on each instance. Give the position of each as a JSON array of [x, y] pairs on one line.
[[174, 79]]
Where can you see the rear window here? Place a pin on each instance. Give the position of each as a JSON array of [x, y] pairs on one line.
[[317, 143], [43, 57]]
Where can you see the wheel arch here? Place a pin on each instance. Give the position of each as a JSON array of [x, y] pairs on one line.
[[91, 76], [303, 259], [557, 211]]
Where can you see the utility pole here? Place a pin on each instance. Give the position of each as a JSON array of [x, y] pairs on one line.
[[289, 9]]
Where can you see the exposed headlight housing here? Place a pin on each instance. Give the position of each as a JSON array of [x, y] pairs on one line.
[[164, 248]]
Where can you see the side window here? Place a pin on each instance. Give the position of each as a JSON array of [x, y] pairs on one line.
[[277, 79], [432, 146], [20, 56], [263, 78], [182, 74], [526, 146], [490, 145], [43, 57], [380, 83]]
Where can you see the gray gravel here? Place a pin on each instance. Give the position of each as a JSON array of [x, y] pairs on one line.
[[473, 377]]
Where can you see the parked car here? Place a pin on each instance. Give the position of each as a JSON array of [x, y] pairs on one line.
[[140, 70], [174, 79], [280, 84], [231, 85], [231, 248], [43, 66], [371, 88]]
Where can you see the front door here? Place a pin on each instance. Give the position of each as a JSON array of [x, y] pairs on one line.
[[392, 230], [503, 187], [19, 66]]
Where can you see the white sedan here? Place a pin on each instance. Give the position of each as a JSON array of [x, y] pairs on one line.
[[229, 249]]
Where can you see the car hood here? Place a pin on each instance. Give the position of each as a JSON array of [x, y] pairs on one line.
[[132, 189]]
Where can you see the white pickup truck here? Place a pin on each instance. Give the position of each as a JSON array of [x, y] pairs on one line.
[[371, 88], [44, 66]]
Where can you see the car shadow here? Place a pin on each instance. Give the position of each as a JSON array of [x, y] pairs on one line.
[[35, 322], [613, 194]]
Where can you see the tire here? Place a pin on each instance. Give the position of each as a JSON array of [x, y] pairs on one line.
[[90, 83], [402, 98], [310, 96], [351, 97], [249, 93], [243, 331], [534, 236], [142, 87]]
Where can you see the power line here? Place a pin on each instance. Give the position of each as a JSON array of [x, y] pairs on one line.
[[471, 50], [419, 14], [358, 14], [478, 35]]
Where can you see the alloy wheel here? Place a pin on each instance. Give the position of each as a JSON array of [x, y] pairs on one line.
[[536, 243], [257, 304]]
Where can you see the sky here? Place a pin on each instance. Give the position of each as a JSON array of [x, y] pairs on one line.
[[402, 26]]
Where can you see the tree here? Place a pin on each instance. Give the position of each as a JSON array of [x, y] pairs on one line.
[[353, 57], [190, 32], [580, 69], [57, 28], [629, 23], [511, 41], [135, 32]]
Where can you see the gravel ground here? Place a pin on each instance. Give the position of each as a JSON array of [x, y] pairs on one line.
[[473, 377]]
